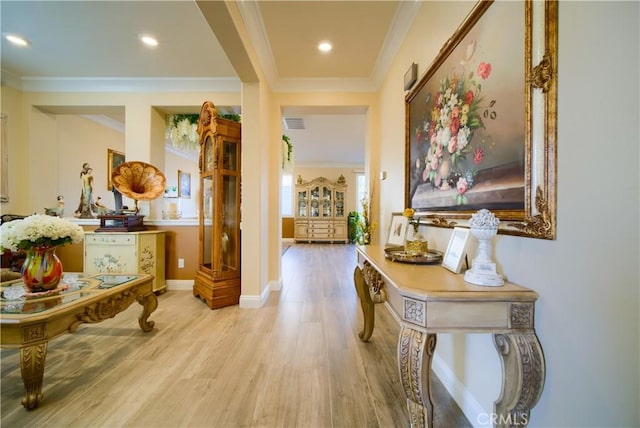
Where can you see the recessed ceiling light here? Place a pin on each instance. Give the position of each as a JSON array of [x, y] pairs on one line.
[[148, 40], [325, 46], [17, 40]]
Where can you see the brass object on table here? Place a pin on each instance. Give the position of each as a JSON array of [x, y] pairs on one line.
[[416, 247], [399, 254], [139, 181]]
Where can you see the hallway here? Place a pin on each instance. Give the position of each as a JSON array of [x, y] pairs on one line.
[[296, 362]]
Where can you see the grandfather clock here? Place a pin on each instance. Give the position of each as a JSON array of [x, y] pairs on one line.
[[217, 280]]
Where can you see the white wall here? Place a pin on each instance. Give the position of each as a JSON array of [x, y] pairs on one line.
[[78, 140], [587, 313], [174, 162]]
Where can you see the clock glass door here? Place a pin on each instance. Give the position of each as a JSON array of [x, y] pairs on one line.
[[230, 207], [207, 206]]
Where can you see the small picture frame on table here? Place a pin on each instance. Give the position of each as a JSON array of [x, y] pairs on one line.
[[398, 230], [456, 250]]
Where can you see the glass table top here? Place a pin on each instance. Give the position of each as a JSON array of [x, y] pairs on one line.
[[15, 298]]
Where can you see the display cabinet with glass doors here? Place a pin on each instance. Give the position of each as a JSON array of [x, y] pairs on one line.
[[217, 280], [320, 210]]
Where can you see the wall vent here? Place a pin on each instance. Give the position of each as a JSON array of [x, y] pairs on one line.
[[293, 122]]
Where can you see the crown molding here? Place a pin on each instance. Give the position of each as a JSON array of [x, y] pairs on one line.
[[324, 85], [400, 25], [105, 121], [125, 84], [9, 79], [347, 165], [254, 24], [404, 16], [192, 156]]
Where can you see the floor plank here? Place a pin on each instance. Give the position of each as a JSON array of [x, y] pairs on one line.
[[296, 362]]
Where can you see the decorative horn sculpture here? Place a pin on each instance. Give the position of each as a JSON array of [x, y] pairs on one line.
[[139, 181]]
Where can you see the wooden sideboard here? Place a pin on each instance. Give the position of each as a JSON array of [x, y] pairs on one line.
[[320, 210], [428, 300]]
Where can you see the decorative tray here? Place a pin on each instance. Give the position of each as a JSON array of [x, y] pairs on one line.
[[398, 254]]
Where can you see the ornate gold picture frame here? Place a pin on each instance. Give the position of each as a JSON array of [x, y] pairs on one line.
[[461, 152], [4, 163], [114, 159], [184, 184]]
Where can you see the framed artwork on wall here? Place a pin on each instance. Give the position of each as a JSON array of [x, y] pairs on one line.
[[481, 122], [184, 185], [114, 159], [4, 149]]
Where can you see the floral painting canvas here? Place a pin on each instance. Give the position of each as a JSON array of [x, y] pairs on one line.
[[466, 119]]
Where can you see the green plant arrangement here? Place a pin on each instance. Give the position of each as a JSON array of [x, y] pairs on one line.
[[364, 226], [231, 116], [176, 119], [287, 154], [182, 129], [353, 220]]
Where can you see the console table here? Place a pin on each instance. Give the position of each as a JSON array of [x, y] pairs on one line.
[[29, 323], [429, 300]]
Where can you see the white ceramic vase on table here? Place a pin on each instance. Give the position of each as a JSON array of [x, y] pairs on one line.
[[483, 226]]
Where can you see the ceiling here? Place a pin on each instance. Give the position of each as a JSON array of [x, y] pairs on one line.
[[93, 46]]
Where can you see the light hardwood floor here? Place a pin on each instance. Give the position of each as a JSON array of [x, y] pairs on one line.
[[296, 362]]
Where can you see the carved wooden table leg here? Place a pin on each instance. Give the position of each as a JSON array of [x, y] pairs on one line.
[[366, 303], [149, 304], [523, 372], [415, 352], [32, 370]]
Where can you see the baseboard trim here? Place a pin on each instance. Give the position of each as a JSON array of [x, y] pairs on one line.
[[461, 395], [275, 285], [179, 284], [393, 313], [255, 301], [246, 301], [456, 389]]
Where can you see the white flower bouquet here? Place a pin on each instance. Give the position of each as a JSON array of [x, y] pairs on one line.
[[38, 231]]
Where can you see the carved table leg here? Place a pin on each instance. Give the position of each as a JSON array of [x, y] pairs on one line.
[[32, 370], [415, 352], [523, 372], [368, 311], [149, 304]]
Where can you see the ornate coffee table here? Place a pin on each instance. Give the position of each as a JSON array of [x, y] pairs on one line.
[[29, 322]]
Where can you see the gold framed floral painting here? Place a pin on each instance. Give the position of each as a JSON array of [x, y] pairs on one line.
[[481, 122], [4, 163]]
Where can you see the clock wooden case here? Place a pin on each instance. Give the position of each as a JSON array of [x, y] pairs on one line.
[[217, 280]]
